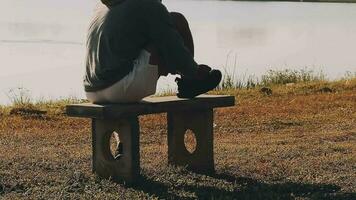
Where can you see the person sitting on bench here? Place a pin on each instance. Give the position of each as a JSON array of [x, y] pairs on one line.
[[131, 43]]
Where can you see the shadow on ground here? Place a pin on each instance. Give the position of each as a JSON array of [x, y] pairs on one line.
[[240, 188]]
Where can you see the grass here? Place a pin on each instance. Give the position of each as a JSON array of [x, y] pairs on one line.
[[275, 77], [20, 99], [298, 143], [287, 76]]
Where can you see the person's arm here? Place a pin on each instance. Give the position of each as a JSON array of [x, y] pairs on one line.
[[164, 36]]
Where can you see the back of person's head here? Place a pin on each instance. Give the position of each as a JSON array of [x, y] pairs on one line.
[[113, 2]]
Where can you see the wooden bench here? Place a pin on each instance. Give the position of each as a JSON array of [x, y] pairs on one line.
[[183, 114]]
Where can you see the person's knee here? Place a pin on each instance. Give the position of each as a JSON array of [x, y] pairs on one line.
[[179, 18], [177, 15]]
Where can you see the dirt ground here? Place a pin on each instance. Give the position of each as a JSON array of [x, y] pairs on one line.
[[283, 146]]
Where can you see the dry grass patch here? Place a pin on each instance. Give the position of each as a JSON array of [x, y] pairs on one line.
[[290, 145]]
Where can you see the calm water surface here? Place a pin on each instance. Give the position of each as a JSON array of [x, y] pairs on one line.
[[42, 41]]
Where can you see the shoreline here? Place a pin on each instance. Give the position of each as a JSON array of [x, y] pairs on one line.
[[231, 80], [303, 1], [24, 102]]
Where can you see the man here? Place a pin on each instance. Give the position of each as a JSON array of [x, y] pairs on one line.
[[133, 42]]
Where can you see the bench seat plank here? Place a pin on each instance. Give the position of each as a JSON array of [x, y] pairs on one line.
[[148, 105]]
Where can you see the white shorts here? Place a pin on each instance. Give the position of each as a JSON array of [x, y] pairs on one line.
[[138, 84]]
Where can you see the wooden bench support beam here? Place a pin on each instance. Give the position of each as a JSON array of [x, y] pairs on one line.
[[125, 167], [201, 123]]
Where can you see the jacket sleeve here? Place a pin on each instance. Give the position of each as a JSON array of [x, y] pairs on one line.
[[164, 36]]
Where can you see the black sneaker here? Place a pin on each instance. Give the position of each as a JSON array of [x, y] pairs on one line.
[[190, 87]]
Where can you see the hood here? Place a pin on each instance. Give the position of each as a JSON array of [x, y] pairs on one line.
[[110, 3]]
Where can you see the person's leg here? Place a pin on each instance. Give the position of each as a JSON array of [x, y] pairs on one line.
[[164, 36], [171, 40], [183, 29], [205, 79], [182, 26]]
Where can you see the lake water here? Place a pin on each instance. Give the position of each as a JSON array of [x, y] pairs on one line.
[[42, 41]]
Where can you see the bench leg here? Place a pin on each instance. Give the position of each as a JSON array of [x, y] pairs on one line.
[[201, 123], [127, 166]]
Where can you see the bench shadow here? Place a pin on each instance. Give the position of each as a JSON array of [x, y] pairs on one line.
[[247, 189], [253, 189], [154, 188]]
